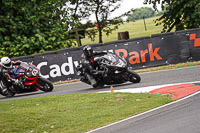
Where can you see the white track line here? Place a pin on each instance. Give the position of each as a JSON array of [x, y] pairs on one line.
[[147, 89], [169, 69], [148, 110]]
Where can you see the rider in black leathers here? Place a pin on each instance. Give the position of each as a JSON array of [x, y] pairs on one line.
[[90, 65]]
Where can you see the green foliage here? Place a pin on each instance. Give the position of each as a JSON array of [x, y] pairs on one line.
[[111, 26], [103, 10], [145, 12], [135, 29], [178, 14], [32, 26]]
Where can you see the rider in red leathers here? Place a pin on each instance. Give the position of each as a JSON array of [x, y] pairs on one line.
[[5, 66]]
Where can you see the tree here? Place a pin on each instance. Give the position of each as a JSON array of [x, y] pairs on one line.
[[140, 13], [102, 10], [79, 9], [32, 26], [178, 14]]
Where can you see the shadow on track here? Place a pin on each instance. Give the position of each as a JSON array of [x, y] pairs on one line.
[[21, 95], [108, 86]]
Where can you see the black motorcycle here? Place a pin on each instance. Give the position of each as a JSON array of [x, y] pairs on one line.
[[116, 69]]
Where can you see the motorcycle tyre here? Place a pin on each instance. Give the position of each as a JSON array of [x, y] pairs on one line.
[[98, 86], [43, 82], [9, 94], [134, 77]]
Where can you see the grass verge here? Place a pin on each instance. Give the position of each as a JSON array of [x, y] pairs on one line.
[[171, 66], [73, 113]]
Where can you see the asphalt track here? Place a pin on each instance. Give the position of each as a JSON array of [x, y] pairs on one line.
[[189, 74], [180, 117]]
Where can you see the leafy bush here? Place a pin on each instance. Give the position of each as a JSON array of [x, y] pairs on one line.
[[178, 14], [32, 26]]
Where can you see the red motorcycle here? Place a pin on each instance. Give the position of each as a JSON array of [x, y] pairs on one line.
[[29, 76]]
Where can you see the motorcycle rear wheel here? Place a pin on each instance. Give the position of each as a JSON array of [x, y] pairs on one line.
[[9, 94], [44, 85], [134, 77]]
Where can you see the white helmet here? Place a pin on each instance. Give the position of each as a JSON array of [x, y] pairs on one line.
[[6, 62]]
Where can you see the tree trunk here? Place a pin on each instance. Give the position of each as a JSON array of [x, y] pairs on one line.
[[100, 35], [78, 38]]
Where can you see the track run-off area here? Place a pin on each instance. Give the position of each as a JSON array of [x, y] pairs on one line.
[[180, 116]]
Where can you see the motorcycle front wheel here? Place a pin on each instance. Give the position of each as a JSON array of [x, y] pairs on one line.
[[44, 84], [98, 86], [133, 76]]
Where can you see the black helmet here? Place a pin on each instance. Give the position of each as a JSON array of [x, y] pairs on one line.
[[88, 51]]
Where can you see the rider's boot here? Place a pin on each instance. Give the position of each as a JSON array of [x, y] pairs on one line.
[[3, 88], [4, 91], [84, 80], [93, 82]]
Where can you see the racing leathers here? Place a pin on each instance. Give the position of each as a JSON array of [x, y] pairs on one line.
[[91, 67], [5, 76]]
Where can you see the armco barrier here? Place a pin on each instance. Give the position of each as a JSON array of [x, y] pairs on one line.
[[45, 53], [115, 42], [185, 32], [162, 34], [138, 38], [28, 58], [143, 52], [194, 45], [95, 45], [65, 50], [184, 51]]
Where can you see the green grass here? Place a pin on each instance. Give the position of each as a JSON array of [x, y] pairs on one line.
[[135, 29], [73, 113], [171, 66]]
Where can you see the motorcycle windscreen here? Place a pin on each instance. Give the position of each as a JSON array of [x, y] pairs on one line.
[[111, 58], [16, 72]]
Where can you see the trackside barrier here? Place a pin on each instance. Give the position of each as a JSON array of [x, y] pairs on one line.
[[138, 38], [162, 34], [142, 52], [194, 45]]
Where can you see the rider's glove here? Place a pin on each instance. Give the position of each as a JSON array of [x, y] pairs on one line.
[[98, 72], [16, 81], [95, 72]]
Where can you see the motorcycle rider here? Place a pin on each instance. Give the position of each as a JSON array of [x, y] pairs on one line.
[[5, 66], [91, 65]]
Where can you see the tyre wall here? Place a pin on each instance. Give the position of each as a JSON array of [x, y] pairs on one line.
[[142, 52]]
